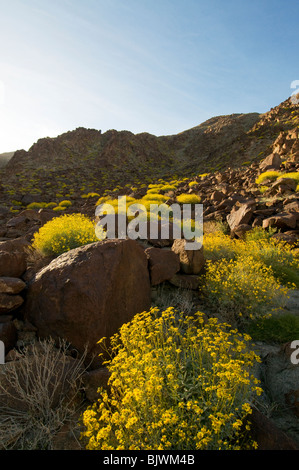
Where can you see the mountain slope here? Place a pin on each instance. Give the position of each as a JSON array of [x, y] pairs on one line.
[[85, 160]]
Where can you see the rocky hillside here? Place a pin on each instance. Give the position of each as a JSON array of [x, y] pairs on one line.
[[4, 158], [86, 160], [243, 168]]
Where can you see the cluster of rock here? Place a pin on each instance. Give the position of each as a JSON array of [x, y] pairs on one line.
[[234, 197]]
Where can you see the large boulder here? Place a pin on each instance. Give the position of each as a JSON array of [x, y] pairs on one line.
[[89, 292], [283, 185], [272, 162], [241, 215], [283, 220]]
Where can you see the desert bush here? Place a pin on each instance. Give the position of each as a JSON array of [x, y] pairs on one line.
[[259, 233], [268, 175], [188, 199], [65, 203], [243, 289], [155, 198], [263, 189], [39, 393], [262, 247], [37, 205], [177, 383], [51, 205], [89, 195], [293, 175], [218, 245], [64, 233]]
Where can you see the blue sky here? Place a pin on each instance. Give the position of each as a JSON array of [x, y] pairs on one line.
[[141, 65]]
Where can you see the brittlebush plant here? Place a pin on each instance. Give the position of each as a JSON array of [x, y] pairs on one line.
[[243, 289], [176, 383], [260, 246], [64, 233]]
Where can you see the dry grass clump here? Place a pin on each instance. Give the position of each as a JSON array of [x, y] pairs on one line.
[[39, 393]]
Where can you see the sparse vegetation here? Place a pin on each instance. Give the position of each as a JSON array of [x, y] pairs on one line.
[[276, 329]]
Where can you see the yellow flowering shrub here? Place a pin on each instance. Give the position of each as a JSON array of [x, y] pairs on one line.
[[64, 233], [260, 246], [293, 175], [176, 383], [188, 199], [268, 175], [243, 289]]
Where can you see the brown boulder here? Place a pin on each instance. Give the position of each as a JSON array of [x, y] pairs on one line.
[[11, 285], [8, 334], [9, 302], [89, 292], [283, 185], [163, 264], [272, 162], [217, 196], [242, 229], [284, 220], [191, 261], [267, 435], [290, 237], [241, 215], [292, 206], [13, 257]]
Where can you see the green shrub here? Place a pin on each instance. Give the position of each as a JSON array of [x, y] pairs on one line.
[[64, 233], [177, 383], [277, 329]]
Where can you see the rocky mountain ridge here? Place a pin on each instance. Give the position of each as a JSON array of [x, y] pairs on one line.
[[87, 160]]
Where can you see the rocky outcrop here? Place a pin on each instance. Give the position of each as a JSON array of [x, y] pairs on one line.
[[89, 292], [191, 261], [241, 215], [163, 264]]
